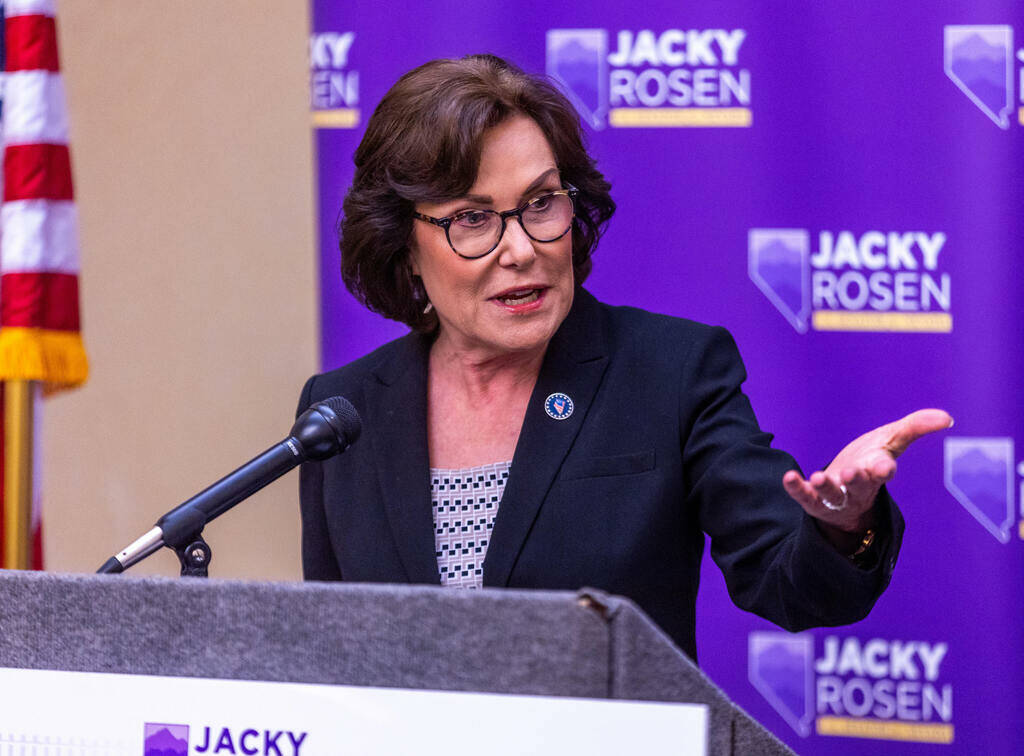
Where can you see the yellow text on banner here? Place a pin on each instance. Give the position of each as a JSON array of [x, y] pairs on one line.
[[342, 118], [674, 117], [878, 729], [919, 322]]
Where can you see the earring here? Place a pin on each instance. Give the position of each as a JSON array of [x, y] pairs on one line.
[[421, 294]]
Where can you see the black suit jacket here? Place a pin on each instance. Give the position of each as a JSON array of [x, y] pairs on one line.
[[662, 446]]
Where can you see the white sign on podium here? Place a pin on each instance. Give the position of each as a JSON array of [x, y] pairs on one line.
[[49, 713]]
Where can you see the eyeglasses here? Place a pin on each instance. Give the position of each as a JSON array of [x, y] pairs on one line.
[[475, 233]]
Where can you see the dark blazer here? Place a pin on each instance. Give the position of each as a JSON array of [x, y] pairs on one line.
[[662, 446]]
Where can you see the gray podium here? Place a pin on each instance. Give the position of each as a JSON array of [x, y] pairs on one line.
[[587, 644]]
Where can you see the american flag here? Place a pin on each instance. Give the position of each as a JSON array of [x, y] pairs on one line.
[[40, 338]]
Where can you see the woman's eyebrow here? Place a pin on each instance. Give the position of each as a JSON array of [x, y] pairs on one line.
[[536, 184]]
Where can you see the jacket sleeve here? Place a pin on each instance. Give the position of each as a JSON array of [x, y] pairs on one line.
[[318, 559], [776, 562]]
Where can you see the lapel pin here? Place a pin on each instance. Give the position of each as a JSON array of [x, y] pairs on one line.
[[558, 406]]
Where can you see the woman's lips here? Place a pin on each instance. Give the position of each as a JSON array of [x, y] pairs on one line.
[[521, 299]]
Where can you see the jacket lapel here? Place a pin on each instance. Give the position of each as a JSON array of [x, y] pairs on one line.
[[396, 402], [574, 365]]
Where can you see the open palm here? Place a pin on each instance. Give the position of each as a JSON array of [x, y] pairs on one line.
[[843, 494]]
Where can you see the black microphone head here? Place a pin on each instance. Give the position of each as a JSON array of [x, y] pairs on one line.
[[342, 417], [327, 428]]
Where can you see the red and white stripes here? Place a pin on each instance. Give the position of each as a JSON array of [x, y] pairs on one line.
[[39, 258]]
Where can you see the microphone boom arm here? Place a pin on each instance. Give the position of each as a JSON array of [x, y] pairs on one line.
[[325, 429]]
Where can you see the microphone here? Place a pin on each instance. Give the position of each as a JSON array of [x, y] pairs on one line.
[[327, 428]]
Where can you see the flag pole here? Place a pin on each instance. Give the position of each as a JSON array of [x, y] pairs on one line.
[[40, 330], [18, 474]]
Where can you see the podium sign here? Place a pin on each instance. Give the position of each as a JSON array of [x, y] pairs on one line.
[[71, 713]]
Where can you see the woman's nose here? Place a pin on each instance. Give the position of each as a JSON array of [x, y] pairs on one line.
[[516, 248]]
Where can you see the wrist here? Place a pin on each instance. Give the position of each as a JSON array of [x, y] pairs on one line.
[[863, 557], [849, 540]]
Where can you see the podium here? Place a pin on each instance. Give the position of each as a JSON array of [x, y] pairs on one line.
[[582, 645]]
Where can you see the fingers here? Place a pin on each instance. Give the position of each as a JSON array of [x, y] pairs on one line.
[[877, 469], [861, 468], [910, 428], [850, 508], [859, 483], [882, 469], [828, 490], [800, 490], [810, 494], [862, 483]]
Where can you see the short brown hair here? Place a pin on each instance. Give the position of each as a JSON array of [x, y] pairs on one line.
[[423, 144]]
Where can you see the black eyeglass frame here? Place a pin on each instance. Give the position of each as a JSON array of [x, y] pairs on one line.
[[569, 191]]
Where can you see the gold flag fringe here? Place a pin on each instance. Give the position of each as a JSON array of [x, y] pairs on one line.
[[57, 358]]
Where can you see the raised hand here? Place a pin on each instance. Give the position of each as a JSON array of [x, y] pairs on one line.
[[842, 496]]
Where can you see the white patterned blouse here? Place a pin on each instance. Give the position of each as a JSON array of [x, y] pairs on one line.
[[465, 505]]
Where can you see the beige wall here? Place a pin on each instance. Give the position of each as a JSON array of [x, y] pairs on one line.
[[191, 148]]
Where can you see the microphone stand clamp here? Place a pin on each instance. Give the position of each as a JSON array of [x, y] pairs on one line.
[[195, 557]]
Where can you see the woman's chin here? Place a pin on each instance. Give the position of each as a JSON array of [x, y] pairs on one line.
[[503, 339], [516, 333], [499, 328]]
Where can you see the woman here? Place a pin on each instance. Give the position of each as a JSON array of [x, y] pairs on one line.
[[526, 435]]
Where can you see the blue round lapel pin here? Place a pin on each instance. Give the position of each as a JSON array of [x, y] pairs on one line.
[[558, 406]]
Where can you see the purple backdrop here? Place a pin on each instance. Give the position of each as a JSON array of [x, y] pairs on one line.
[[840, 186]]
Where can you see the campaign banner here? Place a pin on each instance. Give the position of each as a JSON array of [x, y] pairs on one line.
[[46, 712], [841, 187]]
